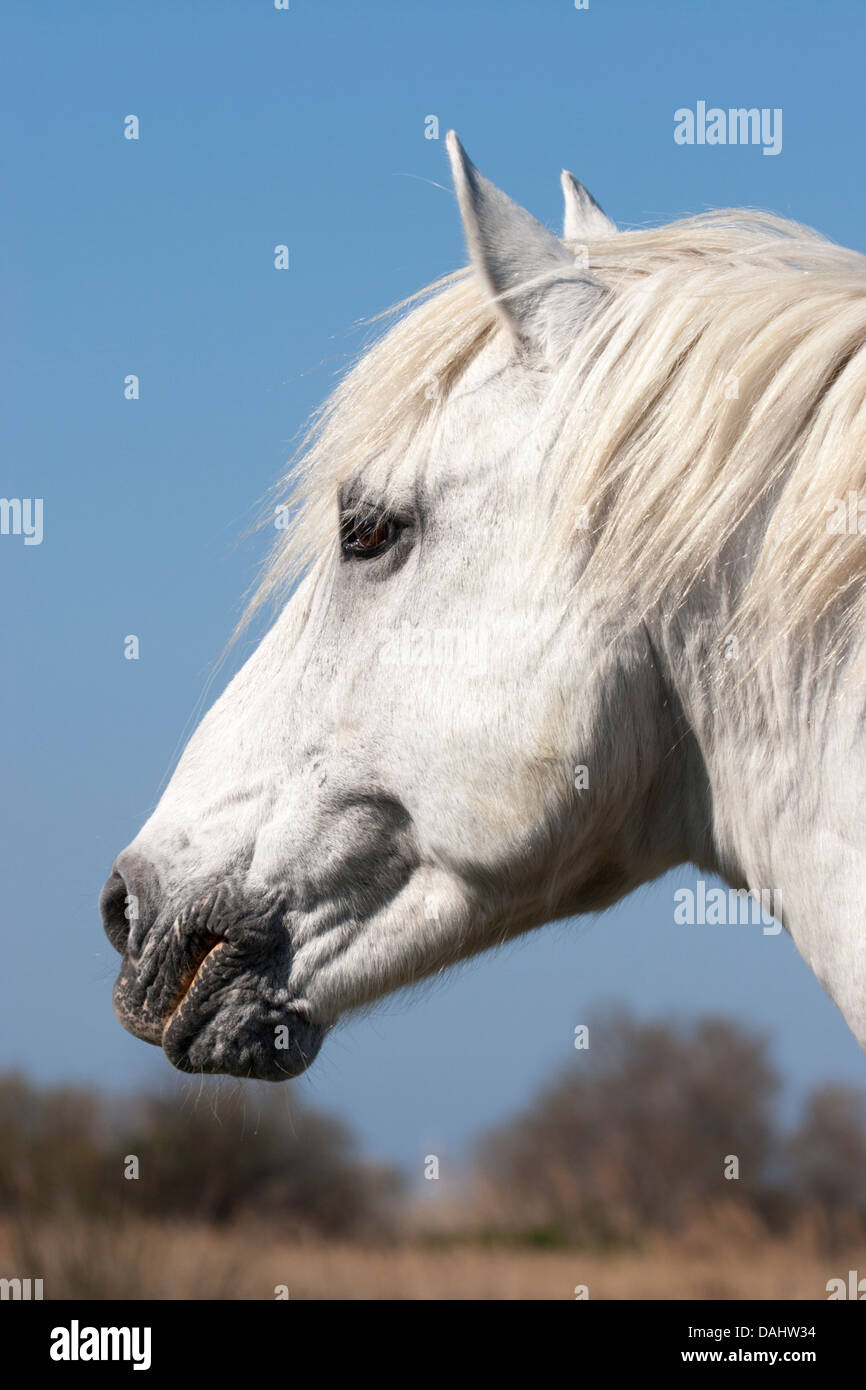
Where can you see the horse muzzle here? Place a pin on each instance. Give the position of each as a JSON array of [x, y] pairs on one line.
[[208, 981]]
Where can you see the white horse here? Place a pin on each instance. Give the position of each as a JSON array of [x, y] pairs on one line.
[[579, 598]]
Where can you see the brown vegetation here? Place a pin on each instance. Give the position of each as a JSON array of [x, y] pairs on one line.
[[156, 1260], [653, 1128], [618, 1177]]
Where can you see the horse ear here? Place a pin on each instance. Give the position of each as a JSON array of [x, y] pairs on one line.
[[535, 282], [584, 219]]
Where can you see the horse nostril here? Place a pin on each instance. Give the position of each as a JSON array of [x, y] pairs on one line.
[[114, 909], [126, 902]]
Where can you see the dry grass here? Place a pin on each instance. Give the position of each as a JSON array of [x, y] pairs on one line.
[[150, 1260]]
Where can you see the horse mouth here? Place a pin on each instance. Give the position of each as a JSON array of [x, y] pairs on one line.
[[219, 1001], [134, 1007], [192, 976]]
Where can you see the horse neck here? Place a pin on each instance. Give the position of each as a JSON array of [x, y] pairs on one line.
[[782, 744]]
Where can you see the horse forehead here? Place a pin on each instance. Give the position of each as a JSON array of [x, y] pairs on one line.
[[495, 368], [497, 393]]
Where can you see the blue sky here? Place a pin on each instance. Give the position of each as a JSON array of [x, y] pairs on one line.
[[155, 257]]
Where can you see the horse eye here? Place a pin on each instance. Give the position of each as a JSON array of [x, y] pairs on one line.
[[366, 536]]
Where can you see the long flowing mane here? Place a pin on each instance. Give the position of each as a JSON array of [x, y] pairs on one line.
[[723, 377]]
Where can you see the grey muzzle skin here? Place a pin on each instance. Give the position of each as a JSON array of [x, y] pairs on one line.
[[206, 983]]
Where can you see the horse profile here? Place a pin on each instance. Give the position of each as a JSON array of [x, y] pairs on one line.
[[574, 596]]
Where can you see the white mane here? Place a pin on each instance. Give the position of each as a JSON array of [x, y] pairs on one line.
[[724, 370]]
